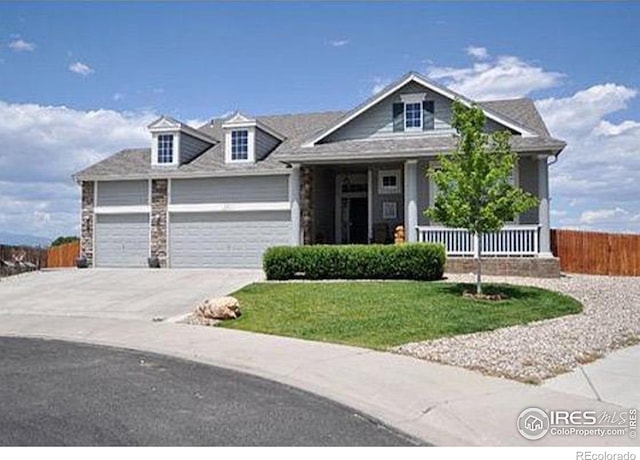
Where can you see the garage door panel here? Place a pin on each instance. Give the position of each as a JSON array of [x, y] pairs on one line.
[[230, 189], [123, 193], [226, 239], [122, 240]]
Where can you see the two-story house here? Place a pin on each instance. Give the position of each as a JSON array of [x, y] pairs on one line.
[[219, 195]]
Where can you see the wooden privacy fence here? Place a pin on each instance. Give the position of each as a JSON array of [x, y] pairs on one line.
[[64, 255], [597, 253]]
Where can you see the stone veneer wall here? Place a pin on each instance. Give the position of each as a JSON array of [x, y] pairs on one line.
[[307, 205], [534, 267], [159, 203], [87, 223]]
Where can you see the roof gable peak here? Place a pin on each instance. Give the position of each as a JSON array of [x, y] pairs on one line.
[[165, 122], [427, 83]]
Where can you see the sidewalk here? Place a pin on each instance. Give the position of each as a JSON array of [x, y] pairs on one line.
[[439, 404], [613, 379]]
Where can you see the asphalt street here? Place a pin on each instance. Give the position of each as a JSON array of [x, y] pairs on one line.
[[56, 393]]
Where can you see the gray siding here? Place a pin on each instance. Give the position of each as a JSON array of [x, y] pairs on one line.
[[230, 189], [265, 143], [378, 122], [226, 239], [190, 147], [122, 240], [528, 181], [378, 200], [123, 193]]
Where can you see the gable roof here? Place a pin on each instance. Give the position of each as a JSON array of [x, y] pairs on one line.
[[136, 163], [427, 83], [522, 110], [296, 130]]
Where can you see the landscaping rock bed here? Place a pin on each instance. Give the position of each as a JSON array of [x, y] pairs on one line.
[[540, 350]]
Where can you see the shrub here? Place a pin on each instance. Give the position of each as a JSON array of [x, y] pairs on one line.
[[413, 261]]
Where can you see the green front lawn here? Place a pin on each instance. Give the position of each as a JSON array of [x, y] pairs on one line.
[[385, 314]]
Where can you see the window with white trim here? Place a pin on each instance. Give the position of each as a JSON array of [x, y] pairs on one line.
[[165, 148], [239, 145], [389, 182], [413, 115]]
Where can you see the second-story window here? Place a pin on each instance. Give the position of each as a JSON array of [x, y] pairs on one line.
[[165, 148], [413, 115], [239, 145]]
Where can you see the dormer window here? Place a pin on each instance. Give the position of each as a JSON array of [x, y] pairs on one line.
[[174, 143], [165, 148], [239, 145]]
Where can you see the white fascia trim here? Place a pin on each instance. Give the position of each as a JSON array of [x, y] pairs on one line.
[[436, 89], [142, 209], [171, 125], [231, 207], [194, 175]]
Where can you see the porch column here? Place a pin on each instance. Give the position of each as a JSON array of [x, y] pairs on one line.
[[543, 208], [294, 199], [410, 200]]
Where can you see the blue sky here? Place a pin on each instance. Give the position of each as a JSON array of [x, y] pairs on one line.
[[80, 81]]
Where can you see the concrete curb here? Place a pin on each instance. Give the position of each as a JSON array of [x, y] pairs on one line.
[[438, 404]]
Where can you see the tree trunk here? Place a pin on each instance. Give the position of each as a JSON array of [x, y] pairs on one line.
[[478, 242]]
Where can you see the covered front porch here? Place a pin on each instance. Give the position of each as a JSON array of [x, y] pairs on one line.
[[361, 203]]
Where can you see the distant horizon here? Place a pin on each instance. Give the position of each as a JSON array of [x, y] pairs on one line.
[[108, 75]]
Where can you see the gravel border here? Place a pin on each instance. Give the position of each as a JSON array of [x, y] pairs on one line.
[[537, 351]]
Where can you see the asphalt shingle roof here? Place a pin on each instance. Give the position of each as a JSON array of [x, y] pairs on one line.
[[299, 129]]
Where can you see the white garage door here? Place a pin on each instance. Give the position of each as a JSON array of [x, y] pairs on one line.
[[226, 239], [122, 240]]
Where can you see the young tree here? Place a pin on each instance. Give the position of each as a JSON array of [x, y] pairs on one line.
[[474, 187]]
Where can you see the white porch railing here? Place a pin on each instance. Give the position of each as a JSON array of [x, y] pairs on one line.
[[512, 240]]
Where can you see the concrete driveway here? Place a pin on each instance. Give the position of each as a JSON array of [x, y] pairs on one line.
[[139, 294]]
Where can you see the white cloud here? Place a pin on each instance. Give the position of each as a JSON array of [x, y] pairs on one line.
[[596, 177], [477, 52], [602, 215], [605, 128], [118, 96], [81, 68], [42, 147], [503, 77], [583, 112], [19, 45], [339, 43], [379, 84]]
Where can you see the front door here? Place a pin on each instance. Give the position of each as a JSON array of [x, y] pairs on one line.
[[358, 220], [352, 208]]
